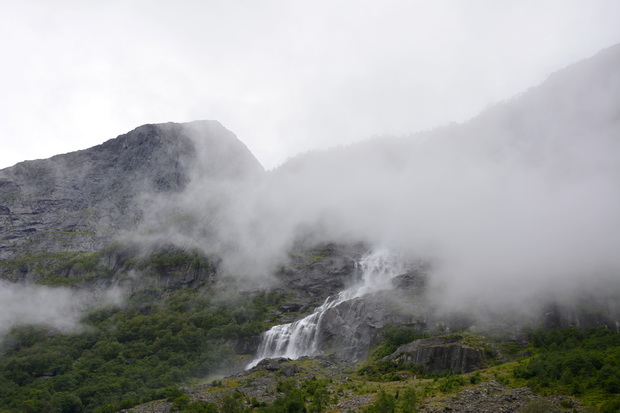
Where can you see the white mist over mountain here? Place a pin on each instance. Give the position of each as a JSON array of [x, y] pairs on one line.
[[286, 76], [58, 308], [521, 201]]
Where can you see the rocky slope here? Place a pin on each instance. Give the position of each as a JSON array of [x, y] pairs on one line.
[[348, 392], [439, 354], [82, 201]]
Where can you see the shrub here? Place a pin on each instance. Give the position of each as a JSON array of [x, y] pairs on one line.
[[407, 403], [385, 403], [451, 383]]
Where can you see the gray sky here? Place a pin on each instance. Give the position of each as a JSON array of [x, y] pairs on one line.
[[285, 76]]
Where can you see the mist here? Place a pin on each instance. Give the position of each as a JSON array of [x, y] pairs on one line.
[[57, 308], [518, 204], [286, 76]]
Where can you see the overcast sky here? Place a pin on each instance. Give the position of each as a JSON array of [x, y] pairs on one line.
[[285, 76]]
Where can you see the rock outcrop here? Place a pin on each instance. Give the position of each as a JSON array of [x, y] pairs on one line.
[[440, 354], [351, 329], [492, 397], [315, 273]]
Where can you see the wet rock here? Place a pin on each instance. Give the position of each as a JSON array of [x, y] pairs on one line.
[[271, 364], [290, 370], [352, 328], [317, 272], [413, 281], [439, 354], [245, 346]]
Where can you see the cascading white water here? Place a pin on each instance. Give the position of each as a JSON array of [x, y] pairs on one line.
[[301, 338]]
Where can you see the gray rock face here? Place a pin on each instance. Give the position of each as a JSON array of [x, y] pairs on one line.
[[439, 354], [316, 273], [605, 312], [352, 328], [279, 364], [82, 200]]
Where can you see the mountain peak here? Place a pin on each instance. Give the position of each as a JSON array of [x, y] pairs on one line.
[[97, 190]]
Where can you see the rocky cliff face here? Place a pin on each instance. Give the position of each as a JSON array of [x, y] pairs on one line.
[[316, 273], [82, 200], [439, 354], [351, 329]]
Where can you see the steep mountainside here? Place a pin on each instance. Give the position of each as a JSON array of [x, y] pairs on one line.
[[573, 108], [83, 200]]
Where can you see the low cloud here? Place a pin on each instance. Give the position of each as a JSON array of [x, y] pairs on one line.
[[520, 202], [58, 308]]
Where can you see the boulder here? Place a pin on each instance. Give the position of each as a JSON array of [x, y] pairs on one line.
[[439, 354]]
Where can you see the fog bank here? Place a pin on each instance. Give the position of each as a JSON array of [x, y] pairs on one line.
[[521, 201], [57, 308]]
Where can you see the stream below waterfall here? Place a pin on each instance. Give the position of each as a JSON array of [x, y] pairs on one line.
[[302, 337]]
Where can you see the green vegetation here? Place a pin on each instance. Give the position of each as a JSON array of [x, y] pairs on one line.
[[163, 261], [307, 257], [574, 361], [82, 268], [183, 404], [163, 338], [394, 337], [385, 371], [539, 406], [387, 403], [451, 383], [127, 356], [308, 396], [45, 264]]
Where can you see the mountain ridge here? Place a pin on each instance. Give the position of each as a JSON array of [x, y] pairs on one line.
[[92, 196]]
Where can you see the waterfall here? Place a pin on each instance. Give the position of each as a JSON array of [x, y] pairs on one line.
[[301, 338]]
